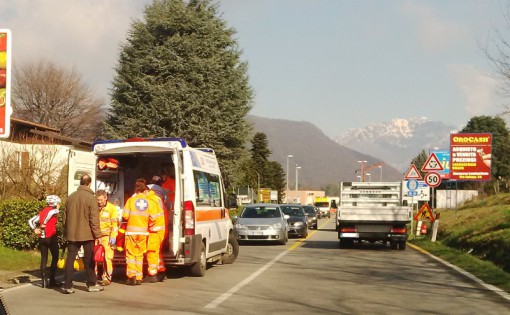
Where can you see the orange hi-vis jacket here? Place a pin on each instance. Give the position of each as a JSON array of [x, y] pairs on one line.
[[160, 222], [139, 212], [109, 220]]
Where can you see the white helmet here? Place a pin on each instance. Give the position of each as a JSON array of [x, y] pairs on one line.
[[53, 200]]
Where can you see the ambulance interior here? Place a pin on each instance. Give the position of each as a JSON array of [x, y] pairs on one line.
[[117, 174]]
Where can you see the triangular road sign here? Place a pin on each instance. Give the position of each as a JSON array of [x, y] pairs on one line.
[[432, 164], [412, 173], [425, 214]]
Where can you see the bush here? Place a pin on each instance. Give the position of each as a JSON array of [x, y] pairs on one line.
[[16, 232]]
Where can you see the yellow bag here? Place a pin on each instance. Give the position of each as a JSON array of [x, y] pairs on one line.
[[78, 262]]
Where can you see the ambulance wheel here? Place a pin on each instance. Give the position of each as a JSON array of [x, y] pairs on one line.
[[402, 245], [198, 269], [232, 250]]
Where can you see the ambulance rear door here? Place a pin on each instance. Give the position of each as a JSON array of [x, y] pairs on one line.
[[80, 163]]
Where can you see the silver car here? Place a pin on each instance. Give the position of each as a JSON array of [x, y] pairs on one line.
[[262, 222]]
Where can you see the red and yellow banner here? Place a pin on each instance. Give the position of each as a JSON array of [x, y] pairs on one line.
[[5, 75], [471, 155]]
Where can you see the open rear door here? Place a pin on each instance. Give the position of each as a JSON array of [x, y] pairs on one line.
[[80, 162]]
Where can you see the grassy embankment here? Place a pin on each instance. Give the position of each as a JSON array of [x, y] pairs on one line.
[[476, 238]]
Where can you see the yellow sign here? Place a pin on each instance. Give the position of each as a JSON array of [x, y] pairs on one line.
[[425, 214]]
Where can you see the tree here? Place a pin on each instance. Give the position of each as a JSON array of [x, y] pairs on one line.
[[48, 94], [180, 75], [500, 158]]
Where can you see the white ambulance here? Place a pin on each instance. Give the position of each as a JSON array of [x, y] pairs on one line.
[[200, 230]]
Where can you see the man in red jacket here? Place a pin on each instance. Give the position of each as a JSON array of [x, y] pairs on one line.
[[44, 225], [81, 228]]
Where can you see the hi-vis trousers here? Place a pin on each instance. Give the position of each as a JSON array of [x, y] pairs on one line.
[[154, 254], [136, 246], [108, 256]]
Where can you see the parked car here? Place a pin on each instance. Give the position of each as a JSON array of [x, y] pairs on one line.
[[298, 225], [262, 222], [311, 216]]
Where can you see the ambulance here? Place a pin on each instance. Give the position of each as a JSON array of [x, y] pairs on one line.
[[199, 226]]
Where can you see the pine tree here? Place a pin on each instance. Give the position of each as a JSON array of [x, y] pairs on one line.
[[180, 75]]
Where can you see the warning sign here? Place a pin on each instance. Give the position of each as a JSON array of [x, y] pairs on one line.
[[432, 164], [425, 214], [412, 173]]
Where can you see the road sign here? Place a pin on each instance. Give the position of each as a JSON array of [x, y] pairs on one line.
[[423, 192], [432, 179], [412, 173], [412, 193], [432, 164], [425, 214], [444, 157], [412, 185]]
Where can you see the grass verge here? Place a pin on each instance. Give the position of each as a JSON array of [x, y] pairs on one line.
[[484, 270], [19, 260]]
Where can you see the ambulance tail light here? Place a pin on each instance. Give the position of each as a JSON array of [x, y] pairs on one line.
[[348, 230], [189, 218]]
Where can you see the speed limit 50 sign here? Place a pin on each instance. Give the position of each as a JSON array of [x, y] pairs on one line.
[[432, 179]]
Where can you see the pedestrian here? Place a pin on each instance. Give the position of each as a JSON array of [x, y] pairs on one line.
[[139, 212], [169, 184], [157, 232], [81, 228], [48, 238], [108, 222]]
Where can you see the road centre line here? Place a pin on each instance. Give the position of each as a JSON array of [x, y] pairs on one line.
[[222, 298]]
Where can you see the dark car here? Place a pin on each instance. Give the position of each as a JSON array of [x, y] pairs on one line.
[[311, 216], [298, 224]]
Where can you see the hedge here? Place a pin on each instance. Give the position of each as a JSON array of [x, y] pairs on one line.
[[14, 229]]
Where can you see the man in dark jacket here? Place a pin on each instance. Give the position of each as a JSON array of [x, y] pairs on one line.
[[81, 228]]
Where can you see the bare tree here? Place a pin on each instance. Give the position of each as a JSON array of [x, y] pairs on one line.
[[48, 94]]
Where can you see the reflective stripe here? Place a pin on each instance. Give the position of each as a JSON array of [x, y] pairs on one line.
[[137, 233], [122, 231], [157, 228]]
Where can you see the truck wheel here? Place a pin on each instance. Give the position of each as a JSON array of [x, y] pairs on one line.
[[232, 250], [402, 245], [315, 226], [198, 268]]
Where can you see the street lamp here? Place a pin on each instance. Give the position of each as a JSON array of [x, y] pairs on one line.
[[297, 171], [258, 184], [362, 170], [287, 179], [368, 174], [380, 174]]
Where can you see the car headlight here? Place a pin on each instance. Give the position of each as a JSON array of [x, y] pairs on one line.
[[276, 226], [298, 223], [240, 226]]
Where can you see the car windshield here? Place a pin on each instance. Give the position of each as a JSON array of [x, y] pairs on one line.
[[295, 211], [260, 212], [309, 209]]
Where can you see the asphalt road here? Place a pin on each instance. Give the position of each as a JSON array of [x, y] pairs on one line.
[[309, 276]]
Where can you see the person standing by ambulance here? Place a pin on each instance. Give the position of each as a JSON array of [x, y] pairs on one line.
[[81, 228], [108, 222], [139, 212], [157, 232], [48, 239]]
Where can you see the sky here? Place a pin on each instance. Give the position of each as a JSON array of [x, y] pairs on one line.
[[337, 64]]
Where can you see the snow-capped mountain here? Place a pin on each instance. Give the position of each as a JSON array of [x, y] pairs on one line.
[[398, 141]]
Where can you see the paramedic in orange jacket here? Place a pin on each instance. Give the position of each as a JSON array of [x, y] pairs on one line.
[[157, 232], [108, 222], [139, 212]]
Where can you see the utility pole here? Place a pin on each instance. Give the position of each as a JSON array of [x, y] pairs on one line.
[[287, 179]]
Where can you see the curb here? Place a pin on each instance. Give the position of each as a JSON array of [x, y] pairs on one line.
[[490, 287]]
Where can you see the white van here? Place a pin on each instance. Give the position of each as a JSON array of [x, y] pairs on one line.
[[200, 230]]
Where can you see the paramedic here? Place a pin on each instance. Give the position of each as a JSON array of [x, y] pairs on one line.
[[48, 239], [157, 233], [108, 221], [139, 212]]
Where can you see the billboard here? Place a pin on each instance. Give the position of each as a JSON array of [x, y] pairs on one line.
[[5, 83], [470, 156]]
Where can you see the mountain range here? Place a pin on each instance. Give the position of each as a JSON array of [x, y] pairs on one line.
[[323, 161], [398, 141]]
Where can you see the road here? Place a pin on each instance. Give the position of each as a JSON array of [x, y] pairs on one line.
[[309, 276]]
